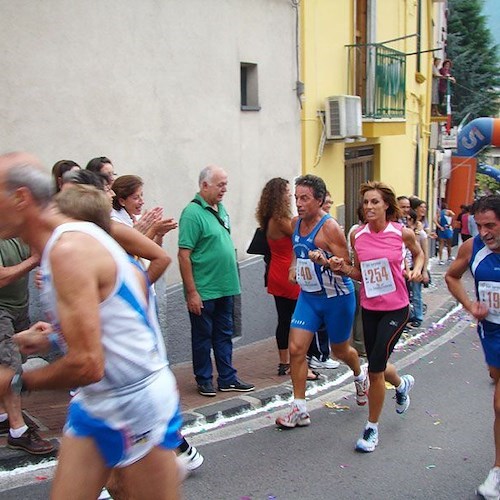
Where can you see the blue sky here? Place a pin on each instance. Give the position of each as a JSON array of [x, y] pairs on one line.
[[492, 12]]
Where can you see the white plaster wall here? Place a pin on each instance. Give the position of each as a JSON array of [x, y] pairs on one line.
[[154, 85]]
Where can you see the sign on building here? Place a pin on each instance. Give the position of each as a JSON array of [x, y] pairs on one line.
[[448, 141]]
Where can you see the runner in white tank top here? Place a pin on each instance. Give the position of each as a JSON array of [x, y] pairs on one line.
[[124, 401], [126, 414]]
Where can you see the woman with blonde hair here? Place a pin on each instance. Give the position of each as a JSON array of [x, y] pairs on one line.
[[379, 265]]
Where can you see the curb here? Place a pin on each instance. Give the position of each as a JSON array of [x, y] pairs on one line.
[[240, 406], [14, 459]]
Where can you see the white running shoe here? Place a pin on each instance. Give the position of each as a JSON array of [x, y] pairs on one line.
[[104, 495], [295, 418], [329, 364], [191, 458], [368, 441], [490, 489], [362, 387], [402, 397]]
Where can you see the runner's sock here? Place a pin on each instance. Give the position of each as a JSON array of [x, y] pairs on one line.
[[301, 405], [184, 446], [16, 433]]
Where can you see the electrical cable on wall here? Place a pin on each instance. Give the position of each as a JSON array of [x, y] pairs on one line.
[[299, 85], [322, 139]]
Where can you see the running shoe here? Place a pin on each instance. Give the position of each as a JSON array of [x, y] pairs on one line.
[[191, 459], [105, 495], [402, 397], [490, 489], [362, 387], [329, 364], [295, 418], [369, 441]]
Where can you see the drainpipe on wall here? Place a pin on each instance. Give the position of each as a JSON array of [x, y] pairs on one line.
[[419, 33], [417, 161], [417, 149], [371, 35]]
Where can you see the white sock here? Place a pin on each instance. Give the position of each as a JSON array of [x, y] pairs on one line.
[[300, 404], [361, 376], [3, 417], [15, 433], [371, 425], [401, 386]]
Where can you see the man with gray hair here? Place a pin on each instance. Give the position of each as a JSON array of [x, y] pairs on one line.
[[126, 410], [209, 271]]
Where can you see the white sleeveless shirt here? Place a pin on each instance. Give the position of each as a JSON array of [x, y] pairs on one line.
[[134, 349]]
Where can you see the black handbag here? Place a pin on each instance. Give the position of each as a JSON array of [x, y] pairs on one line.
[[259, 245]]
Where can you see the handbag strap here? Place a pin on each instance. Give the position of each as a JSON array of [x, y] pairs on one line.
[[216, 214]]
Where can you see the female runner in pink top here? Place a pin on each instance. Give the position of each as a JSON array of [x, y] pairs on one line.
[[379, 247]]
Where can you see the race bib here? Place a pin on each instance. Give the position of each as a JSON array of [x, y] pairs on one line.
[[306, 276], [489, 294], [377, 277]]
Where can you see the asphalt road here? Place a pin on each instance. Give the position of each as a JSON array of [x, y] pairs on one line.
[[441, 449]]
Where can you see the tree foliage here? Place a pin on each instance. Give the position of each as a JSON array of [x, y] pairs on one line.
[[475, 61], [487, 185]]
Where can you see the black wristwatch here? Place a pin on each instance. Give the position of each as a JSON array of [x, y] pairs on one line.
[[17, 385]]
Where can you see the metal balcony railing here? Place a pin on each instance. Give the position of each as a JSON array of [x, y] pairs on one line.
[[377, 74]]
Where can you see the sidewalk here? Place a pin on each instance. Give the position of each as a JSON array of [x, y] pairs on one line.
[[256, 363]]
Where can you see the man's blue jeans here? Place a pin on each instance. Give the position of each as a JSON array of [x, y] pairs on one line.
[[416, 301], [213, 329]]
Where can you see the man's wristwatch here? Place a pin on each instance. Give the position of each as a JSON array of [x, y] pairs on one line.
[[17, 385]]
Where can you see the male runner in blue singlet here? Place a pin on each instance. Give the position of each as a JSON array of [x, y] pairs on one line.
[[482, 255], [325, 298]]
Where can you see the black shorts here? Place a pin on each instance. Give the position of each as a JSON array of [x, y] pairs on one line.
[[381, 330]]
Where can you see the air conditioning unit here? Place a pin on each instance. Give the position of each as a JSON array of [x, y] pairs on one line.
[[343, 117]]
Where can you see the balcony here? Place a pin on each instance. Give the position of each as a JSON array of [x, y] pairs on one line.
[[377, 74]]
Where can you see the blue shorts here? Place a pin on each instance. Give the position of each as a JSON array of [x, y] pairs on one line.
[[446, 234], [335, 313], [126, 427], [490, 340]]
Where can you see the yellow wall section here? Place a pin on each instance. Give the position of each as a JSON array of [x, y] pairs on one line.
[[326, 28]]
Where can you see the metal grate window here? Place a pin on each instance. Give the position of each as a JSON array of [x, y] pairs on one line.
[[358, 169]]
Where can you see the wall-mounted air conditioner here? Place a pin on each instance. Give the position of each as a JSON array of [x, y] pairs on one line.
[[343, 117]]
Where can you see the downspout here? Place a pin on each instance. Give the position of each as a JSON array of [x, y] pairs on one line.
[[419, 33], [417, 149], [371, 36]]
